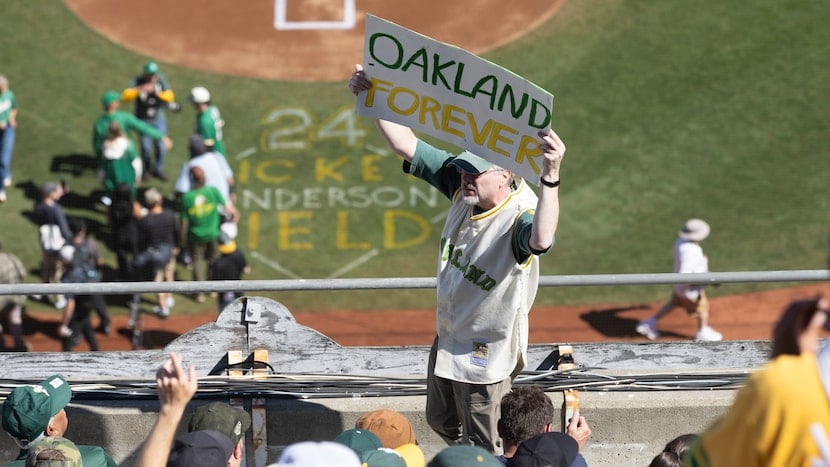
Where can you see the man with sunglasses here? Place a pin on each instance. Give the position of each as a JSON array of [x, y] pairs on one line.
[[487, 276]]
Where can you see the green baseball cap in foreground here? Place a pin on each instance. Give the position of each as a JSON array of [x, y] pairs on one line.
[[470, 163], [70, 452], [221, 417], [27, 409], [464, 456]]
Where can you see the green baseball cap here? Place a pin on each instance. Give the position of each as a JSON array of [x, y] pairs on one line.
[[470, 163], [464, 456], [221, 417], [109, 97], [27, 409], [71, 456], [359, 440], [382, 457], [151, 68]]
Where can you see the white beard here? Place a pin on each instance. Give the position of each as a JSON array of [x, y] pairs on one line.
[[471, 200]]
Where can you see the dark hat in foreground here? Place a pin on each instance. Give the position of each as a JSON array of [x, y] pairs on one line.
[[221, 417], [206, 448], [546, 450]]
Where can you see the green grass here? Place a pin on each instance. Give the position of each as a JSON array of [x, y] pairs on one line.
[[669, 110]]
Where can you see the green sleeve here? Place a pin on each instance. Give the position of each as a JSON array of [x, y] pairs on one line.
[[430, 164], [520, 242], [133, 123]]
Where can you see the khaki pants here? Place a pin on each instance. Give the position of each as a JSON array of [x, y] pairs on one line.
[[464, 413]]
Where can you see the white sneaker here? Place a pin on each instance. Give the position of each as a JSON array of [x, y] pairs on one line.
[[60, 303], [161, 312], [2, 196], [648, 328], [706, 333], [7, 181]]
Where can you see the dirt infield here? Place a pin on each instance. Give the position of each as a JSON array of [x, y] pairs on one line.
[[738, 317], [245, 39]]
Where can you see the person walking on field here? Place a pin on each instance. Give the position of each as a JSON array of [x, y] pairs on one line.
[[488, 274], [209, 123], [688, 258], [8, 125]]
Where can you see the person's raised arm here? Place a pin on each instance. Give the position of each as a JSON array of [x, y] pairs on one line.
[[399, 138], [546, 218], [176, 388]]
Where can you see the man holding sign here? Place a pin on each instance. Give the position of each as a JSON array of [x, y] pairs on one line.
[[487, 267]]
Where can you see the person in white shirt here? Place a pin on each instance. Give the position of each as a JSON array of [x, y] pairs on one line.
[[488, 274], [688, 259], [217, 171]]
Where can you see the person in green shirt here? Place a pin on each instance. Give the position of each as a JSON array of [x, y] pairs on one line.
[[119, 160], [202, 211], [128, 122], [209, 123], [8, 124]]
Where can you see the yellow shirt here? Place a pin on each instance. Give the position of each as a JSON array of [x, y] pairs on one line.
[[769, 422]]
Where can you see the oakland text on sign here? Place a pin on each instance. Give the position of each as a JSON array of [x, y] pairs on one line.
[[454, 95]]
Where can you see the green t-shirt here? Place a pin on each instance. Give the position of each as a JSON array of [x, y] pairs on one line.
[[209, 125], [200, 208], [7, 104], [120, 170]]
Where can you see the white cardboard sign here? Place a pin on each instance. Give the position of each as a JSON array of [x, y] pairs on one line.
[[454, 95]]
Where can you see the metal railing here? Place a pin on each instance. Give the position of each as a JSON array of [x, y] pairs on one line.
[[282, 285]]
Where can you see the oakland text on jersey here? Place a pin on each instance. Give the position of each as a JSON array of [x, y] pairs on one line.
[[455, 257]]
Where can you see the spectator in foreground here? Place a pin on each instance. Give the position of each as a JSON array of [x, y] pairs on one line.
[[800, 327], [230, 421], [176, 388], [674, 452], [527, 412], [779, 417], [54, 451], [392, 428], [317, 454], [34, 412]]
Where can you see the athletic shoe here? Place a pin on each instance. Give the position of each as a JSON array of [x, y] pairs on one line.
[[648, 328], [60, 304], [706, 333], [7, 182], [2, 196], [161, 312]]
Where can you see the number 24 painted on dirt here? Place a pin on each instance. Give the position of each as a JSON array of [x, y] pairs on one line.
[[294, 129]]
